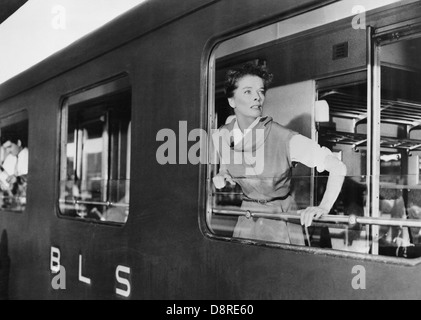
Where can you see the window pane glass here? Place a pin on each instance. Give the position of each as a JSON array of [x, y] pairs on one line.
[[96, 163], [266, 206], [400, 146], [271, 223]]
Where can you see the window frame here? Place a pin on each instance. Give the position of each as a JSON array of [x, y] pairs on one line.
[[208, 105], [10, 119], [112, 86]]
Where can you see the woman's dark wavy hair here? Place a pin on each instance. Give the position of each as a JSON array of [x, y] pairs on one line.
[[248, 69]]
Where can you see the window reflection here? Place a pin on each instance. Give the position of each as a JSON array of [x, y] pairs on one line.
[[96, 159]]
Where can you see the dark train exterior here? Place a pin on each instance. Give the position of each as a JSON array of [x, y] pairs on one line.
[[165, 250]]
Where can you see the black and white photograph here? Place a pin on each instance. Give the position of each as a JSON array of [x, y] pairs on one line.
[[210, 155]]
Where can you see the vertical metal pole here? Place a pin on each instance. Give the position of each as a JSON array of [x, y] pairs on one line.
[[212, 166], [63, 149], [375, 138], [106, 163], [128, 161], [367, 211], [315, 136]]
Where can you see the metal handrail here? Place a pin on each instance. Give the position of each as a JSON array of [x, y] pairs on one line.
[[349, 220], [96, 203]]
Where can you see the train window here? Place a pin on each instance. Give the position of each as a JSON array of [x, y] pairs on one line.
[[14, 162], [327, 98], [300, 125], [95, 153]]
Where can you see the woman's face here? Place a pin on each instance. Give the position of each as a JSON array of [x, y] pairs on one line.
[[249, 97]]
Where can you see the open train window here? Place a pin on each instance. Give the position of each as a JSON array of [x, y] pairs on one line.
[[264, 208], [14, 158], [345, 102], [95, 153]]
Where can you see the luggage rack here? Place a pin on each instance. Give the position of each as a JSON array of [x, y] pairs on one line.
[[350, 106], [399, 112], [360, 140]]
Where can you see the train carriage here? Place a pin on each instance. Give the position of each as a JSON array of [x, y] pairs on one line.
[[119, 201]]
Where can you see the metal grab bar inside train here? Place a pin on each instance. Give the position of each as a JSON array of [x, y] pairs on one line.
[[96, 203], [339, 219]]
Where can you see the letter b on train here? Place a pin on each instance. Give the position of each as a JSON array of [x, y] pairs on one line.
[[59, 280]]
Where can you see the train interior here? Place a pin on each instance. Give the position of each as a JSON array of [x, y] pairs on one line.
[[399, 145], [13, 193], [341, 81]]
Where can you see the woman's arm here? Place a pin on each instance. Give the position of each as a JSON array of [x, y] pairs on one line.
[[337, 172], [223, 175], [309, 153]]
